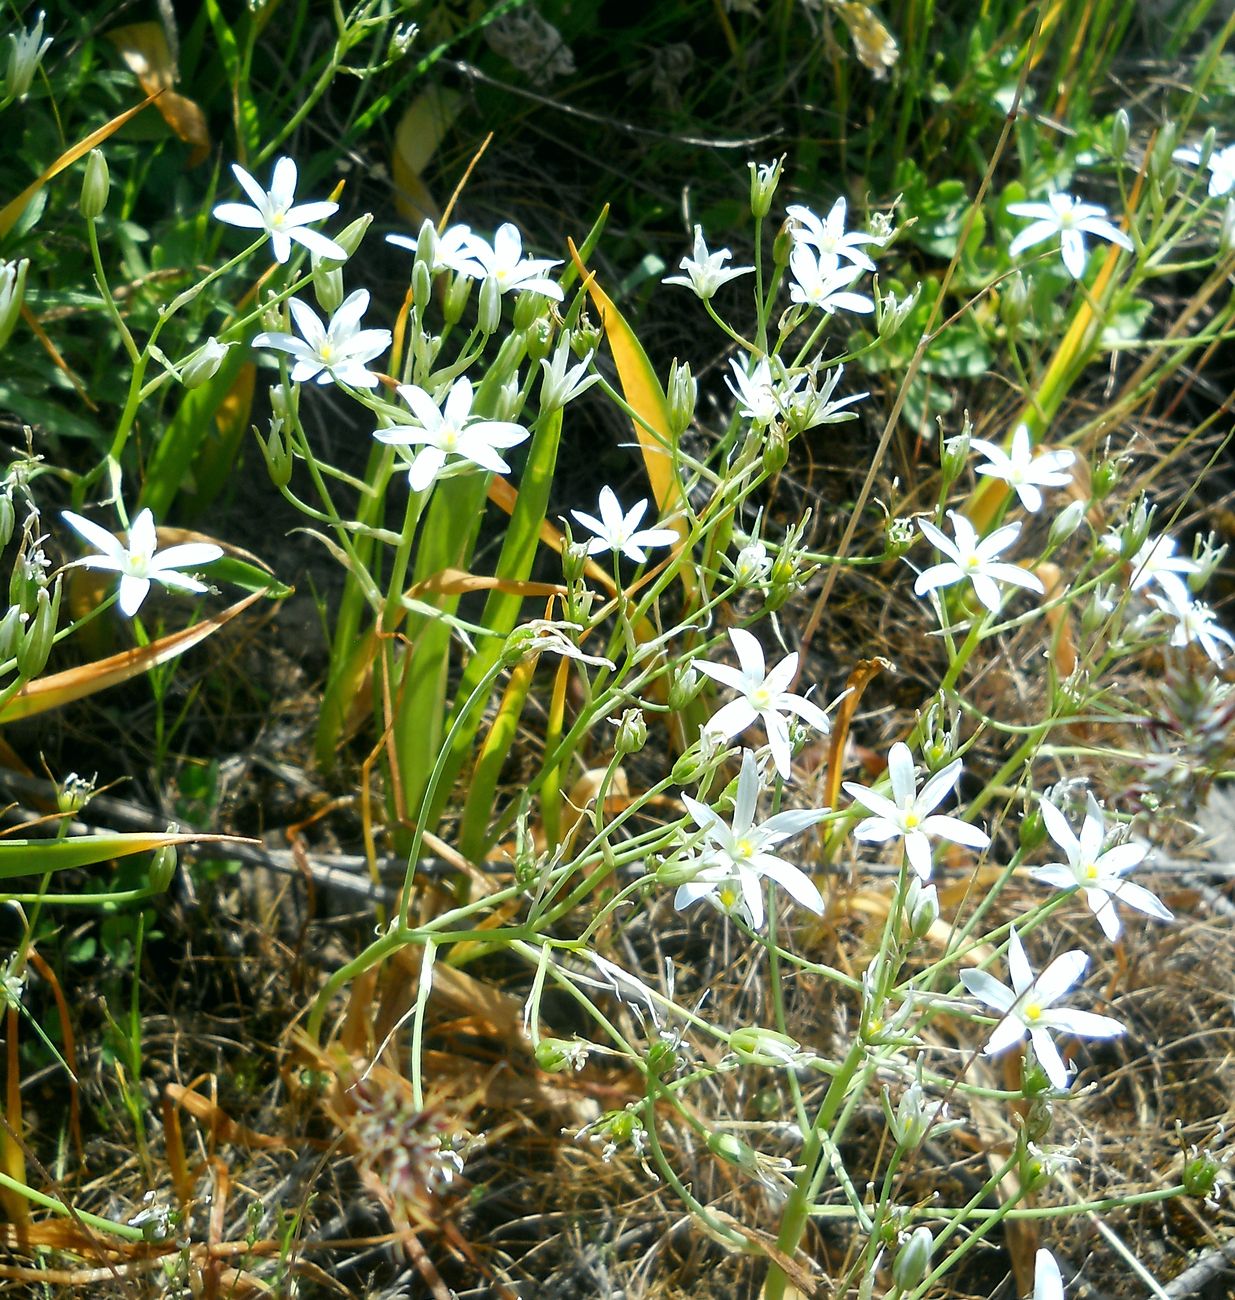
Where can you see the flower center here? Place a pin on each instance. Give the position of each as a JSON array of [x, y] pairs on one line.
[[449, 440], [912, 821], [728, 896], [1033, 1011], [760, 697], [744, 848], [326, 352], [972, 562], [1091, 871]]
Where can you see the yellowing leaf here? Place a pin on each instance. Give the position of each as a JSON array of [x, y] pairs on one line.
[[420, 131], [144, 49], [11, 211]]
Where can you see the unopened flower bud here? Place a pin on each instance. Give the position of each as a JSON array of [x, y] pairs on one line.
[[490, 313], [1121, 129], [162, 867], [574, 560], [554, 1055], [892, 310], [912, 1260], [349, 238], [764, 178], [285, 403], [509, 398], [457, 294], [1065, 523], [1226, 232], [94, 186], [539, 339], [632, 732], [422, 284], [528, 307], [677, 871], [204, 364], [755, 1046], [662, 1059], [1039, 1117], [1135, 530], [12, 295], [1160, 160], [782, 246], [775, 449], [1014, 300], [954, 455], [12, 627], [327, 286], [923, 908], [36, 644], [8, 515], [681, 395], [1206, 148], [1106, 475], [1032, 831]]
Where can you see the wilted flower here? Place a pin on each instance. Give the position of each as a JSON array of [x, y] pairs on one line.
[[764, 695], [910, 813], [335, 352], [706, 272], [449, 431], [277, 213], [1071, 220], [1028, 1007], [620, 532], [137, 563], [734, 859], [1099, 874], [26, 50]]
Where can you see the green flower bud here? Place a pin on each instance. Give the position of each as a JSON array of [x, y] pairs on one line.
[[539, 339], [1065, 523], [94, 186], [1032, 831], [689, 767], [422, 284], [775, 449], [913, 1259], [782, 246], [1039, 1116], [574, 560], [677, 871], [1160, 160], [12, 295], [585, 337], [955, 454], [350, 237], [11, 632], [682, 392], [457, 294], [755, 1046], [555, 1055], [162, 867], [204, 364], [529, 307], [632, 732], [1014, 301], [8, 516], [1106, 475], [490, 313], [1121, 128], [1226, 232], [662, 1059], [923, 908], [36, 645]]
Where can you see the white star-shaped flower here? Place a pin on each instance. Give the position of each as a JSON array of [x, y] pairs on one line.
[[449, 431], [331, 353], [1099, 874], [510, 271], [763, 695], [1028, 1007], [735, 858], [829, 236], [973, 558], [1156, 561], [618, 532], [706, 272], [762, 396], [137, 563], [1196, 623], [277, 213], [910, 813], [1021, 470], [562, 384], [1071, 220], [1221, 167], [820, 281]]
